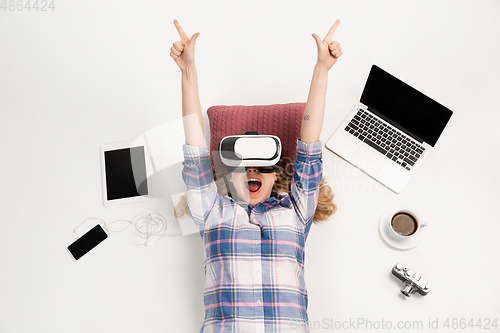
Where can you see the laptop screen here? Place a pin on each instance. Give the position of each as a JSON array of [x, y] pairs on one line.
[[404, 107]]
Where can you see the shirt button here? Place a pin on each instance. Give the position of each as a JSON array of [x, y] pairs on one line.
[[259, 301], [256, 242], [257, 271]]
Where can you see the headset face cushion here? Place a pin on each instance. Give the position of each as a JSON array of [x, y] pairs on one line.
[[250, 150]]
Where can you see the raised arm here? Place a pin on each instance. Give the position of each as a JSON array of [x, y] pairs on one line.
[[328, 53], [183, 53]]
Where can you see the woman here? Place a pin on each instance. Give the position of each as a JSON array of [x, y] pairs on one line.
[[254, 242]]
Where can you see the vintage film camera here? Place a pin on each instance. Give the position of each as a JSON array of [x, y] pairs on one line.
[[413, 281]]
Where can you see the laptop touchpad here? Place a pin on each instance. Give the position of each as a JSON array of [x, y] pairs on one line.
[[368, 160]]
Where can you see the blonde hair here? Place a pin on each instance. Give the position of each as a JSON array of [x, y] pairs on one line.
[[324, 210]]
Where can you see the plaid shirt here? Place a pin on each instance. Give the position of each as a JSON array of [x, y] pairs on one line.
[[254, 256]]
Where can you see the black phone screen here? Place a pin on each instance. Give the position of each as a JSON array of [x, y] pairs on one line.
[[87, 242]]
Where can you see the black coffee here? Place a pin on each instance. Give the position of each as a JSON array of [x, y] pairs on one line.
[[404, 224]]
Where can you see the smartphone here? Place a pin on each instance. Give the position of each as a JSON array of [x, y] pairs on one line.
[[87, 242]]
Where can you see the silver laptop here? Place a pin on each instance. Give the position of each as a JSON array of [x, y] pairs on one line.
[[390, 133]]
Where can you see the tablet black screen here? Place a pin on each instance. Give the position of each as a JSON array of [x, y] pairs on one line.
[[125, 173]]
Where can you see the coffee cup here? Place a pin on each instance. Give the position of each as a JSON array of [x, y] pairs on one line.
[[404, 224]]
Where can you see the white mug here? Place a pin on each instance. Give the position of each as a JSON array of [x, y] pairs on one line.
[[419, 223]]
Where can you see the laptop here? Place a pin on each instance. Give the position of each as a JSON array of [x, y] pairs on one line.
[[390, 133]]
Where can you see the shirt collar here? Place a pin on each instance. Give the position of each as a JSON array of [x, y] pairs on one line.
[[263, 206], [283, 200]]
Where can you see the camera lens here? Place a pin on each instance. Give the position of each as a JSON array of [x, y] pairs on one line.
[[407, 290]]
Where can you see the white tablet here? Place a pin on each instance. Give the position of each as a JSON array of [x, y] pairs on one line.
[[126, 172]]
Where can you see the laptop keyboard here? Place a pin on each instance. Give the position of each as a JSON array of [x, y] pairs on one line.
[[397, 146]]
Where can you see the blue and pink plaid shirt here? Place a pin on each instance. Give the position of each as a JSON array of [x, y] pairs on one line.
[[254, 256]]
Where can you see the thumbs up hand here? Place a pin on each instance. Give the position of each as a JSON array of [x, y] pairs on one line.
[[183, 51], [328, 51]]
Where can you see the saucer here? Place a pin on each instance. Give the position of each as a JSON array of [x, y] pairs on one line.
[[401, 244]]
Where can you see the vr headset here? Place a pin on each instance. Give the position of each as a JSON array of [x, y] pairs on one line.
[[250, 150]]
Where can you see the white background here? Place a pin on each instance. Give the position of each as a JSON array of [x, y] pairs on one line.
[[95, 72]]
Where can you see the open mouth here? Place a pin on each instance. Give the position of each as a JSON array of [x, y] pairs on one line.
[[254, 185]]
